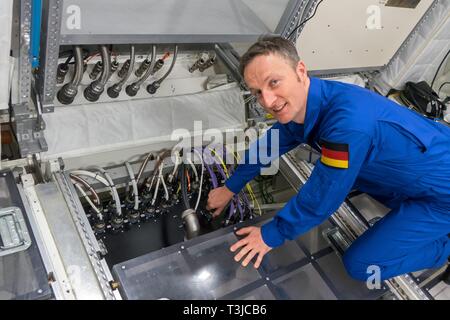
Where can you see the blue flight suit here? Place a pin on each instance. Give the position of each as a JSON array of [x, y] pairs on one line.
[[394, 154]]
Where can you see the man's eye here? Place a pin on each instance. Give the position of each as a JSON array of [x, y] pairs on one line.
[[274, 82]]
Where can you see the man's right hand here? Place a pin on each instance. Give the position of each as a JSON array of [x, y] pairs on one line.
[[218, 199]]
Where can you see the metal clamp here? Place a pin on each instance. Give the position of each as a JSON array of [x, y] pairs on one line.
[[14, 233]]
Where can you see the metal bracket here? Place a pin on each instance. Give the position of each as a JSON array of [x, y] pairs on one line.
[[61, 284], [51, 21], [29, 127], [87, 236], [29, 124], [31, 139], [24, 56], [54, 165], [337, 240], [290, 17], [231, 60], [14, 233]]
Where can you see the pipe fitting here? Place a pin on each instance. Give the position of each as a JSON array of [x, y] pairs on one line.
[[191, 223]]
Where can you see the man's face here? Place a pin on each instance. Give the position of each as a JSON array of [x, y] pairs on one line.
[[279, 88]]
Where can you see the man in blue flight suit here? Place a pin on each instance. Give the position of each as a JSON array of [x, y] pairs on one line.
[[367, 142]]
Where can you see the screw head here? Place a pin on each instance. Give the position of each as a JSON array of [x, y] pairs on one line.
[[114, 285]]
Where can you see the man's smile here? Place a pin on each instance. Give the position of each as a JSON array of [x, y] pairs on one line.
[[278, 109]]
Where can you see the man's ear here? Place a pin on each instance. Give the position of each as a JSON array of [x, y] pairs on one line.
[[301, 71]]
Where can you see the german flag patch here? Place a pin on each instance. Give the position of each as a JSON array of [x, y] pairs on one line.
[[334, 154]]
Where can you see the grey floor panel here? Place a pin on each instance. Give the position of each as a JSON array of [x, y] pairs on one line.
[[261, 293], [346, 287], [313, 241], [282, 257], [303, 284]]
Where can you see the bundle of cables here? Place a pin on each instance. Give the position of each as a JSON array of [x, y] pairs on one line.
[[240, 206], [421, 98], [211, 161]]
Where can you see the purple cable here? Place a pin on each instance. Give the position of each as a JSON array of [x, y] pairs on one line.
[[244, 196], [230, 214], [232, 206], [246, 201], [224, 176], [240, 208], [213, 176], [235, 197], [210, 171]]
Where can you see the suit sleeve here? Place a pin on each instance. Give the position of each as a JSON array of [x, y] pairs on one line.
[[322, 194], [274, 143]]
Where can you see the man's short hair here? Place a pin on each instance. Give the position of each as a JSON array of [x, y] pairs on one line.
[[270, 45]]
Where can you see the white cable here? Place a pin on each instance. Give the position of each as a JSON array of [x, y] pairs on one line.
[[83, 193], [166, 192], [107, 183], [92, 175], [201, 179], [134, 183], [86, 185], [149, 187], [189, 161], [157, 184], [113, 186], [175, 167]]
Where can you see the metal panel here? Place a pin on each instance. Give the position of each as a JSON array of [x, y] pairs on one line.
[[51, 22], [29, 135], [291, 16], [203, 268], [27, 128], [303, 283], [261, 293], [216, 268], [58, 277], [313, 240], [346, 287], [24, 57], [6, 15], [202, 271], [87, 236], [369, 207], [153, 21], [75, 258], [271, 12], [351, 37], [225, 52], [402, 3], [168, 277], [420, 54], [22, 274], [14, 234], [282, 257]]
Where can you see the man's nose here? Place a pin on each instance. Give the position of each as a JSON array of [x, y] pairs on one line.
[[268, 98]]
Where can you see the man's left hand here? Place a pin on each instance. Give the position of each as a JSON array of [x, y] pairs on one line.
[[252, 245]]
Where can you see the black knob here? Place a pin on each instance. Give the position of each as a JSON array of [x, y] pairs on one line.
[[151, 88], [131, 90], [90, 94], [112, 92], [64, 97]]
